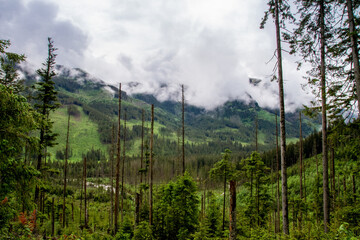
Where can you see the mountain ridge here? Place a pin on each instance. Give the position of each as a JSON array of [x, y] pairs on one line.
[[231, 124]]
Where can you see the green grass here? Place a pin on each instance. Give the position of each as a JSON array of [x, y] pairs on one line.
[[83, 134]]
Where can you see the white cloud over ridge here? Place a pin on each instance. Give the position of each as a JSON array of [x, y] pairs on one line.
[[211, 46]]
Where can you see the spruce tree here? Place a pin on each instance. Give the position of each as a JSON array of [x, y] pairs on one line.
[[280, 11], [311, 37], [9, 75], [46, 102]]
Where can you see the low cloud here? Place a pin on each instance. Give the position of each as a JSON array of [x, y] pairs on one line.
[[211, 46]]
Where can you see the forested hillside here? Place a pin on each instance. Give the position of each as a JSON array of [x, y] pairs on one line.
[[207, 131]]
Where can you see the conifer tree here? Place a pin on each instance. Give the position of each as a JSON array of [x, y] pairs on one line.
[[9, 75], [353, 34], [280, 11], [223, 169], [314, 31], [46, 99]]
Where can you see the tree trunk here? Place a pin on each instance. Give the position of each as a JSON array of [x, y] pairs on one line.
[[151, 167], [65, 170], [301, 169], [301, 158], [232, 226], [345, 189], [333, 173], [142, 153], [85, 198], [256, 133], [123, 172], [52, 218], [118, 167], [326, 206], [282, 125], [137, 208], [223, 220], [81, 194], [112, 152], [258, 199], [355, 51], [277, 224], [183, 128]]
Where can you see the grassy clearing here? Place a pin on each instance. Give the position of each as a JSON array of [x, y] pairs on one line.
[[83, 134]]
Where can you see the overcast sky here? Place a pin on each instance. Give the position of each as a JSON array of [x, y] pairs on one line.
[[211, 46]]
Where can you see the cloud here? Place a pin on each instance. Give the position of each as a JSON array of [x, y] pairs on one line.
[[211, 46], [28, 25]]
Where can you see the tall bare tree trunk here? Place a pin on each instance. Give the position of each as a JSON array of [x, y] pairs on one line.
[[232, 226], [326, 205], [118, 167], [142, 153], [224, 201], [183, 127], [354, 187], [151, 167], [355, 50], [52, 218], [65, 170], [81, 195], [256, 133], [123, 171], [112, 152], [282, 124], [301, 157], [332, 151], [277, 224], [85, 198], [301, 168]]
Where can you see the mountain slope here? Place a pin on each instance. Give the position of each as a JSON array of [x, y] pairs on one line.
[[230, 125]]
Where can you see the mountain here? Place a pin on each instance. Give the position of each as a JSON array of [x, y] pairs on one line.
[[207, 131]]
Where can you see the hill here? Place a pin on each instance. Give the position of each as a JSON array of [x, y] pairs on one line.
[[231, 125]]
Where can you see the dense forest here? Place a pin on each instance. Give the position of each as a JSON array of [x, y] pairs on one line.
[[80, 159]]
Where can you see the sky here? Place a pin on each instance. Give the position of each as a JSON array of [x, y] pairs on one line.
[[212, 47]]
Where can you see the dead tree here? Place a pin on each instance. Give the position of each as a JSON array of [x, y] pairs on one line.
[[123, 171], [118, 166], [65, 170], [151, 167]]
